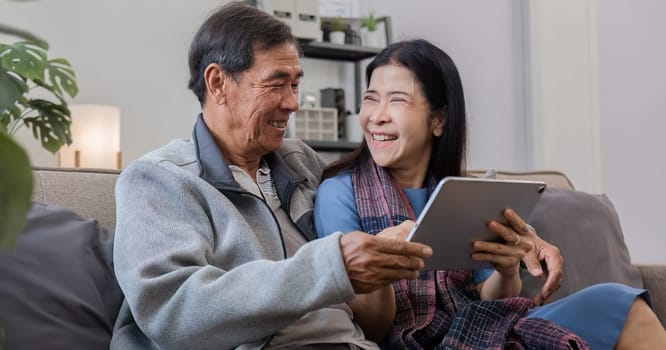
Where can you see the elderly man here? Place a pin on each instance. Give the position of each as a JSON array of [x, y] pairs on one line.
[[214, 243]]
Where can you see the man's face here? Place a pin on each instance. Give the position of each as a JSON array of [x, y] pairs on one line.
[[260, 101]]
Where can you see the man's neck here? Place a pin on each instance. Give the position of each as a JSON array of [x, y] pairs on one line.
[[249, 165]]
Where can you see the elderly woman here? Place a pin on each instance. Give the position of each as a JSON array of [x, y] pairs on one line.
[[413, 119]]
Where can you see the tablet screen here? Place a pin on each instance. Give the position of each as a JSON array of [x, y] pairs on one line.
[[457, 214]]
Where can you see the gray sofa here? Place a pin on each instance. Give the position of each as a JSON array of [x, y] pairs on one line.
[[90, 193]]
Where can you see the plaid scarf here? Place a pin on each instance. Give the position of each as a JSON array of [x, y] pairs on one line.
[[441, 309]]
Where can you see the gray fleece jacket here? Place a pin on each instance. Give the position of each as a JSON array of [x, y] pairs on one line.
[[202, 262]]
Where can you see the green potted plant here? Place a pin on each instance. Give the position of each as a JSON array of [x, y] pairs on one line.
[[337, 27], [370, 36], [26, 68], [370, 22]]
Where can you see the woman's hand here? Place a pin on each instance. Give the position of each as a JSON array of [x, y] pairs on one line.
[[539, 251], [543, 252], [505, 256]]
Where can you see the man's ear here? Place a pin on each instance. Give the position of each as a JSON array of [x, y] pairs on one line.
[[438, 121], [214, 78]]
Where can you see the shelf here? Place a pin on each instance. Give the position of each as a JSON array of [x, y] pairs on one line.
[[332, 146], [339, 52]]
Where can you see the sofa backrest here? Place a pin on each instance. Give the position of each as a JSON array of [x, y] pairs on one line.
[[552, 178], [89, 192]]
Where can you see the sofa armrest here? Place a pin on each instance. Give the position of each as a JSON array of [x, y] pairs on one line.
[[654, 279]]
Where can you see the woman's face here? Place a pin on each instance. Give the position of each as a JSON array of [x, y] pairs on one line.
[[397, 123]]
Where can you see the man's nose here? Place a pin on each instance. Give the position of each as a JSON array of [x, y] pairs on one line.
[[290, 101]]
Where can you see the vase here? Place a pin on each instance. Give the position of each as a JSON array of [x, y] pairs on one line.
[[371, 39], [337, 37]]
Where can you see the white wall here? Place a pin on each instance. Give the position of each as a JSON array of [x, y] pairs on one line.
[[632, 61], [484, 39], [563, 86], [133, 53]]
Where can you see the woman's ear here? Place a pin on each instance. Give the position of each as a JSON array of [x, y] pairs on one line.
[[438, 121], [214, 78]]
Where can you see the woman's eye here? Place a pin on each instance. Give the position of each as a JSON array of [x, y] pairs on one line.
[[369, 98]]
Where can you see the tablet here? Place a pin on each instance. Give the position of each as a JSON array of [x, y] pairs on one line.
[[457, 214]]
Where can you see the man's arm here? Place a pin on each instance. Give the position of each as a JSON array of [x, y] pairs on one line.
[[187, 283]]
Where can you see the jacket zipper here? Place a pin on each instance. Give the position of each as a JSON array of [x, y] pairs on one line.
[[277, 223]]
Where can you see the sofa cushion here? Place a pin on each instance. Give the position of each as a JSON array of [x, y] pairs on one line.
[[587, 230], [58, 289]]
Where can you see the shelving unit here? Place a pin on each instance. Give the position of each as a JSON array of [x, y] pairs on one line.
[[338, 52], [345, 53], [332, 146]]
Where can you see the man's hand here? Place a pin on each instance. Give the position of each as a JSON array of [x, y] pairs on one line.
[[375, 261], [543, 251]]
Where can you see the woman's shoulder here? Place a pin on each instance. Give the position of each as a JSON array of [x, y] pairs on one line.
[[339, 181], [336, 191]]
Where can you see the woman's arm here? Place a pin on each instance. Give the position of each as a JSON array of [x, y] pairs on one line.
[[374, 312], [498, 286]]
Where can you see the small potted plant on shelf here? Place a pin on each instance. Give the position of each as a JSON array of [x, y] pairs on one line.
[[337, 27], [370, 36]]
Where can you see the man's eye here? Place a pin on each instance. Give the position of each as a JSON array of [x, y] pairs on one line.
[[370, 98]]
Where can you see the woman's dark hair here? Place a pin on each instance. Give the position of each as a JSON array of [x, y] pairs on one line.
[[229, 38], [439, 79]]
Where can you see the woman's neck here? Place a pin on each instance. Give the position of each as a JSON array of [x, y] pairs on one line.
[[408, 178]]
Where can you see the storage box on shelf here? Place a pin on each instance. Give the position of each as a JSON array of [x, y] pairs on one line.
[[317, 124], [301, 15]]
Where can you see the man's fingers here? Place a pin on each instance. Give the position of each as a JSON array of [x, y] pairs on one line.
[[372, 280], [400, 247], [373, 261], [399, 232]]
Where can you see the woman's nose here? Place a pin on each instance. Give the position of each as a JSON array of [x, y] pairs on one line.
[[380, 115]]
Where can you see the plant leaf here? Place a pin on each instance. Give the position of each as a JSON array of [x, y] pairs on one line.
[[25, 58], [11, 89], [62, 76], [15, 190], [51, 125]]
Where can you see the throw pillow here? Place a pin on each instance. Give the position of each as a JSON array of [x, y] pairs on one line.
[[58, 289], [587, 230]]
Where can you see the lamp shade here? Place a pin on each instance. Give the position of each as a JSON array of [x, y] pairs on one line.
[[95, 138]]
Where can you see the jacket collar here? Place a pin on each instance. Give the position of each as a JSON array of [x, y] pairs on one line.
[[215, 169]]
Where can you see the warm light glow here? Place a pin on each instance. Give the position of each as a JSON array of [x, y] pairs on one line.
[[95, 138]]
